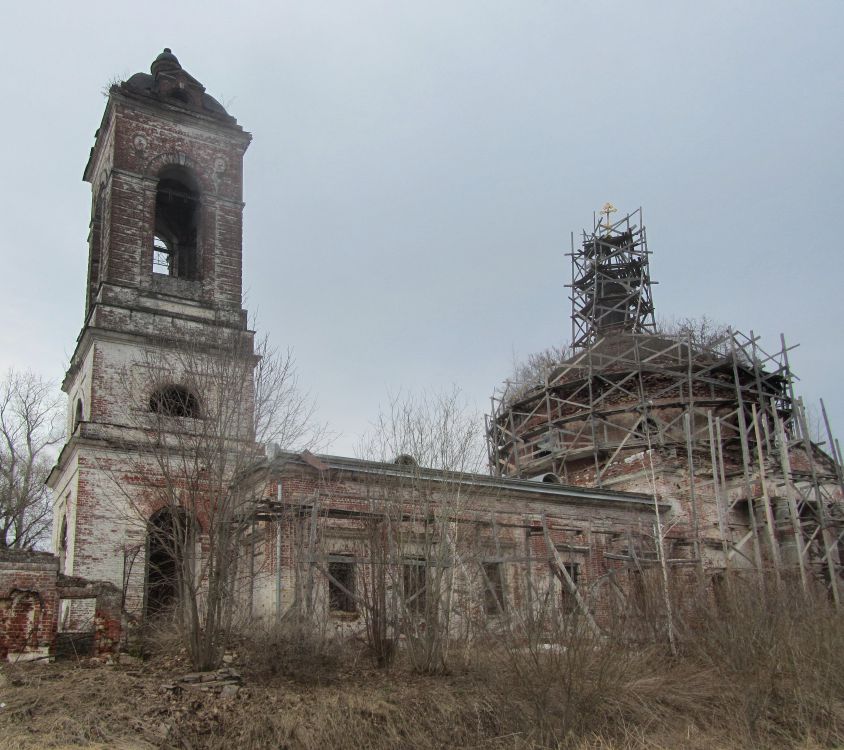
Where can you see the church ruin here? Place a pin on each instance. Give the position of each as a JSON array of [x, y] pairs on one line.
[[712, 423], [639, 451]]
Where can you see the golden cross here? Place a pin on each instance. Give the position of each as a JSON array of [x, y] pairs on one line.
[[607, 209]]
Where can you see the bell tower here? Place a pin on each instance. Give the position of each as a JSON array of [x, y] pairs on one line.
[[164, 270], [166, 175]]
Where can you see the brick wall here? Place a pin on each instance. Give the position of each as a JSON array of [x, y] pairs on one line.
[[31, 592], [28, 604], [486, 523]]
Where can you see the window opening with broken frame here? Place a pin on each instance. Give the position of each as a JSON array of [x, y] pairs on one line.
[[567, 600], [341, 597], [493, 588], [174, 401], [174, 251], [415, 585]]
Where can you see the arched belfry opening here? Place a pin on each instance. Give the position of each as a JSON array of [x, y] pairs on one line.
[[77, 414], [169, 540], [62, 543], [174, 401], [96, 248], [175, 248]]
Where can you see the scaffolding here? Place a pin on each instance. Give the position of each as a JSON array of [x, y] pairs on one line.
[[611, 283], [718, 410], [545, 561]]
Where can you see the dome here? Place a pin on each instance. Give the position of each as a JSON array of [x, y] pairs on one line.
[[165, 61], [168, 81]]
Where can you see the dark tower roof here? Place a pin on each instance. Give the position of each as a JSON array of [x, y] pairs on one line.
[[165, 61], [169, 83], [611, 282]]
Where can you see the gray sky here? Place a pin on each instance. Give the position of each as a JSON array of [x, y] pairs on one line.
[[417, 169]]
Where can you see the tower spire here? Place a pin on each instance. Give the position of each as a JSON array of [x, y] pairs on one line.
[[611, 283]]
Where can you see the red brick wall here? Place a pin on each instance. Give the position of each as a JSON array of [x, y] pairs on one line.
[[582, 532], [31, 589], [135, 143], [28, 604]]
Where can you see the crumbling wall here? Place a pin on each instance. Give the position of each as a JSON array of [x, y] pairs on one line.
[[31, 594], [105, 626], [490, 523], [28, 604]]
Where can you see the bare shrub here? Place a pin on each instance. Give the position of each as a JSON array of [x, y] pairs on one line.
[[756, 668], [778, 652], [414, 539], [201, 415], [534, 369], [291, 649], [703, 332], [556, 676]]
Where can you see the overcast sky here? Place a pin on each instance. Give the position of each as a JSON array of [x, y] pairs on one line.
[[417, 169]]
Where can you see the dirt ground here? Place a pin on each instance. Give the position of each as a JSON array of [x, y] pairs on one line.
[[145, 705], [142, 706]]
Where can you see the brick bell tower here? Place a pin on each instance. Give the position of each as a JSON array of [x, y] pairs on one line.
[[165, 261]]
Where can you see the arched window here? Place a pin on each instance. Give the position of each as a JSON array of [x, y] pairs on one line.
[[176, 224], [174, 401], [169, 536], [62, 543], [96, 249], [651, 431], [77, 414]]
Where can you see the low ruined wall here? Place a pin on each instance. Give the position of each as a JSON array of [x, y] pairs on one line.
[[31, 594], [28, 604]]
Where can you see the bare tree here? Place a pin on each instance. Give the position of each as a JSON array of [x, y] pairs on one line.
[[415, 545], [535, 367], [201, 423], [29, 420], [435, 429], [703, 332]]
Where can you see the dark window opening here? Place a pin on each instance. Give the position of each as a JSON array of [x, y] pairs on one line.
[[493, 588], [650, 432], [341, 590], [63, 544], [96, 251], [168, 535], [174, 401], [77, 414], [840, 546], [568, 601], [176, 225], [180, 95], [415, 585], [720, 592], [637, 594], [808, 515]]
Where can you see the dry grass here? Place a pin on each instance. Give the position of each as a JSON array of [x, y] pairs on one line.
[[756, 669], [762, 671], [293, 651], [60, 706]]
